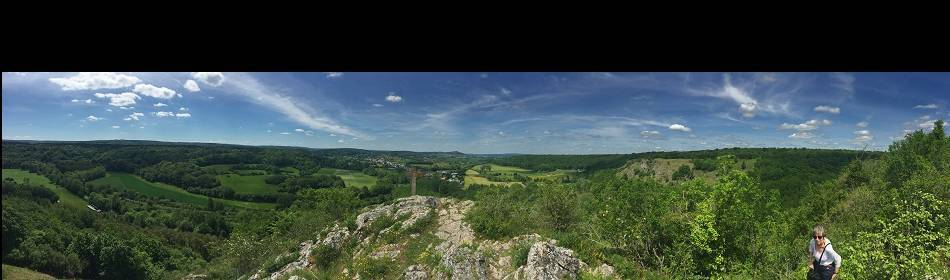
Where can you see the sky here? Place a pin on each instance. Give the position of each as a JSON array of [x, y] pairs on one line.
[[480, 113]]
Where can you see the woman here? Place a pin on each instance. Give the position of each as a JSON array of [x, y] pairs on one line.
[[821, 256]]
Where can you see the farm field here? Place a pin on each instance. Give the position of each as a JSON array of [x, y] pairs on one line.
[[352, 178], [253, 184], [65, 196], [137, 184]]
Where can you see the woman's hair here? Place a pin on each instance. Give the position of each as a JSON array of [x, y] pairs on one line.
[[819, 230]]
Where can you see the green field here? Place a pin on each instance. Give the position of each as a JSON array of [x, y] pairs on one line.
[[503, 169], [137, 184], [473, 177], [65, 196], [352, 178], [18, 273], [247, 184], [552, 174]]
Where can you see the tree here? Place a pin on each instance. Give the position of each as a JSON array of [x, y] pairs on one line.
[[683, 172]]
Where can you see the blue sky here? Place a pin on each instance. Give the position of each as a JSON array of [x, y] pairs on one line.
[[538, 113]]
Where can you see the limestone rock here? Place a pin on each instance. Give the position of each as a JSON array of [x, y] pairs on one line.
[[547, 261], [415, 272]]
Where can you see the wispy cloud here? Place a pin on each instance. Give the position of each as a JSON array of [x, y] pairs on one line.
[[844, 82], [248, 86], [928, 106], [828, 109], [743, 96]]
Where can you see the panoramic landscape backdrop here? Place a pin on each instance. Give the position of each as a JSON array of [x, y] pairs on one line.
[[332, 175]]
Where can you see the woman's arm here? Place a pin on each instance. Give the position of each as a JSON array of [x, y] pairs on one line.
[[811, 256], [835, 255]]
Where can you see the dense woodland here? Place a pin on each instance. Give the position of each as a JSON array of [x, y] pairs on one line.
[[887, 212]]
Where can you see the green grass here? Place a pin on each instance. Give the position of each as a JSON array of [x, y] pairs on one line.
[[17, 273], [503, 169], [290, 170], [247, 184], [352, 178], [473, 177], [137, 184], [65, 196]]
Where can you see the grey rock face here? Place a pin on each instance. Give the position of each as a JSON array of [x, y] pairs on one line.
[[415, 272], [547, 261]]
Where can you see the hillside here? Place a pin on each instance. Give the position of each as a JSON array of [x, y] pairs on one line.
[[424, 237]]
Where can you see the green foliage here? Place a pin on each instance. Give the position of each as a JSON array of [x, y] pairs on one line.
[[912, 242], [337, 202], [683, 173], [324, 255], [500, 212], [280, 262], [556, 207], [519, 254]]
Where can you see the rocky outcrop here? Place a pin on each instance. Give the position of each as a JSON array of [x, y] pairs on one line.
[[547, 261], [415, 272], [458, 254], [414, 207], [451, 226]]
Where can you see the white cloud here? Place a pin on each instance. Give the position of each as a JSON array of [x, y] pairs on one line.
[[392, 97], [87, 101], [331, 134], [183, 115], [153, 91], [209, 78], [115, 126], [135, 116], [773, 102], [119, 100], [191, 86], [828, 109], [285, 133], [161, 114], [809, 125], [160, 104], [862, 124], [94, 118], [679, 127], [928, 106], [182, 109], [505, 91], [126, 108], [339, 141], [377, 105], [95, 80], [298, 130], [650, 134], [250, 87], [334, 75], [863, 136], [748, 109], [802, 135]]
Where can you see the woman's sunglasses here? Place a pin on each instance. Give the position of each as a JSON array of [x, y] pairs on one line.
[[818, 236]]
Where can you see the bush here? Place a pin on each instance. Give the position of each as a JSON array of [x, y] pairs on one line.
[[280, 262]]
